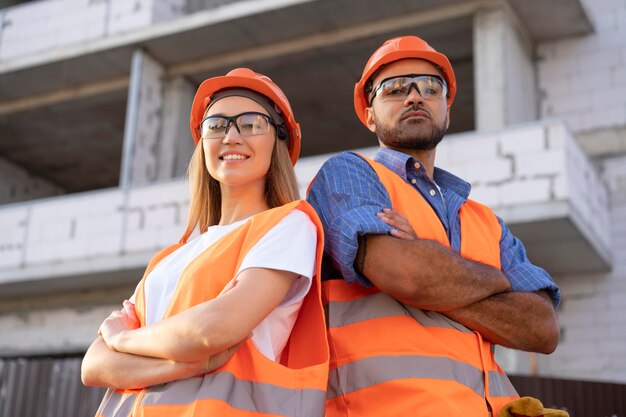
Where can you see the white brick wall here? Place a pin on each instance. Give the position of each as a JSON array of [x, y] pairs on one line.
[[69, 228], [583, 79], [35, 27], [32, 27], [13, 223], [593, 312], [91, 225]]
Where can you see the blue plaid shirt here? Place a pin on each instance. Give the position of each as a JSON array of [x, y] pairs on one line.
[[347, 194]]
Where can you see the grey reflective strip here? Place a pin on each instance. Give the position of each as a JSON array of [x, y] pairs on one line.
[[342, 313], [433, 319], [244, 395], [115, 404], [500, 386], [368, 372]]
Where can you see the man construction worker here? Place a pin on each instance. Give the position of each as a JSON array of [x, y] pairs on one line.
[[420, 281]]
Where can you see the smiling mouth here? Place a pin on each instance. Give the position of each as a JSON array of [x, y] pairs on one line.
[[233, 157]]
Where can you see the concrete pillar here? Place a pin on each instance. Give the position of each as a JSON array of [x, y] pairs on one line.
[[175, 144], [143, 121], [504, 73]]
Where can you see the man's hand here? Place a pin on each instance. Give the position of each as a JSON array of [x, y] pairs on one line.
[[401, 227]]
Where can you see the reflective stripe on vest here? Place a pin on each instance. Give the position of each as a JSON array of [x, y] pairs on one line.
[[241, 395], [412, 361], [115, 404], [375, 370], [380, 305], [249, 383]]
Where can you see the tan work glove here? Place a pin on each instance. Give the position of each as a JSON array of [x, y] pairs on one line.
[[529, 407]]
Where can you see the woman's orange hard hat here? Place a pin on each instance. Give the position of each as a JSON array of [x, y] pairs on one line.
[[246, 78]]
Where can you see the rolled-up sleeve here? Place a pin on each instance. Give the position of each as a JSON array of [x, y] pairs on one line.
[[521, 273], [347, 194]]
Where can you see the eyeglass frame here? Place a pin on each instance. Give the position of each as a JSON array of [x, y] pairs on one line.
[[374, 91], [232, 120]]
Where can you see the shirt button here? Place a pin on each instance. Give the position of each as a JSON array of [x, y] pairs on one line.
[[413, 181], [417, 165], [433, 192]]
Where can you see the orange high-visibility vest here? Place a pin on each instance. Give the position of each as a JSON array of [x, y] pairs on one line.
[[392, 359], [249, 384]]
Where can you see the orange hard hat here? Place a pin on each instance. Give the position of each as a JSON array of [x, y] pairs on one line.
[[394, 50], [246, 78]]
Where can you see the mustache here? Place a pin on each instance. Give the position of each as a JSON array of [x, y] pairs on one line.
[[414, 108]]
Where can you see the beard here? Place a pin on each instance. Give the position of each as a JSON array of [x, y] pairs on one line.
[[421, 134]]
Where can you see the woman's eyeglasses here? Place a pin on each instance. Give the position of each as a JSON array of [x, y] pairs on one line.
[[247, 124]]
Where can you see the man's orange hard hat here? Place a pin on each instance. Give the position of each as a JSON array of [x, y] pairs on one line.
[[394, 50], [246, 78]]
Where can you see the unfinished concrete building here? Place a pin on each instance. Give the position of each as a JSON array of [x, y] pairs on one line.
[[94, 143]]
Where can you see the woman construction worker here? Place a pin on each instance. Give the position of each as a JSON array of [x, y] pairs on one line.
[[229, 322]]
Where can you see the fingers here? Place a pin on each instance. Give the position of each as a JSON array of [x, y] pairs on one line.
[[130, 312], [129, 307], [400, 234], [219, 359], [401, 228]]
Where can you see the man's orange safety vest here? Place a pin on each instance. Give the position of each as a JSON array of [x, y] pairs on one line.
[[249, 384], [392, 359]]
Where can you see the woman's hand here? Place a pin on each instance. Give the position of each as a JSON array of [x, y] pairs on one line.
[[118, 322], [401, 227], [216, 361]]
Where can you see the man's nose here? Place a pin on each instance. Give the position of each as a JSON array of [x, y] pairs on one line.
[[413, 95]]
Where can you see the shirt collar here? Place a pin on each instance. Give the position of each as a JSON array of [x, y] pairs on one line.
[[398, 163]]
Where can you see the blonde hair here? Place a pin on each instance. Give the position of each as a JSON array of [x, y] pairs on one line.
[[205, 198]]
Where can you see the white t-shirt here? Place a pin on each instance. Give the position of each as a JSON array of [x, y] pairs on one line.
[[288, 246]]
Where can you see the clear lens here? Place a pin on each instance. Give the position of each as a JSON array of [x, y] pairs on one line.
[[247, 124], [251, 124], [428, 86], [214, 127]]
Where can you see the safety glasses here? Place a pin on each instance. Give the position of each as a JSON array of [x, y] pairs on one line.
[[247, 124], [397, 88]]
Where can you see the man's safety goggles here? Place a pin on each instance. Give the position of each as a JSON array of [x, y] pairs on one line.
[[247, 124], [398, 87]]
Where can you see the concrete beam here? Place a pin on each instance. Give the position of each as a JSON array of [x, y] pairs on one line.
[[328, 38], [137, 37], [64, 95]]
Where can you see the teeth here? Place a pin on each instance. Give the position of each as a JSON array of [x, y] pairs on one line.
[[234, 156]]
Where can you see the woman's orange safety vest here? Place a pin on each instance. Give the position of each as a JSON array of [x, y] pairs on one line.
[[249, 384], [392, 359]]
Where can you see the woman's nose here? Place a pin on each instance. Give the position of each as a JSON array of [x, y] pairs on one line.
[[232, 134]]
